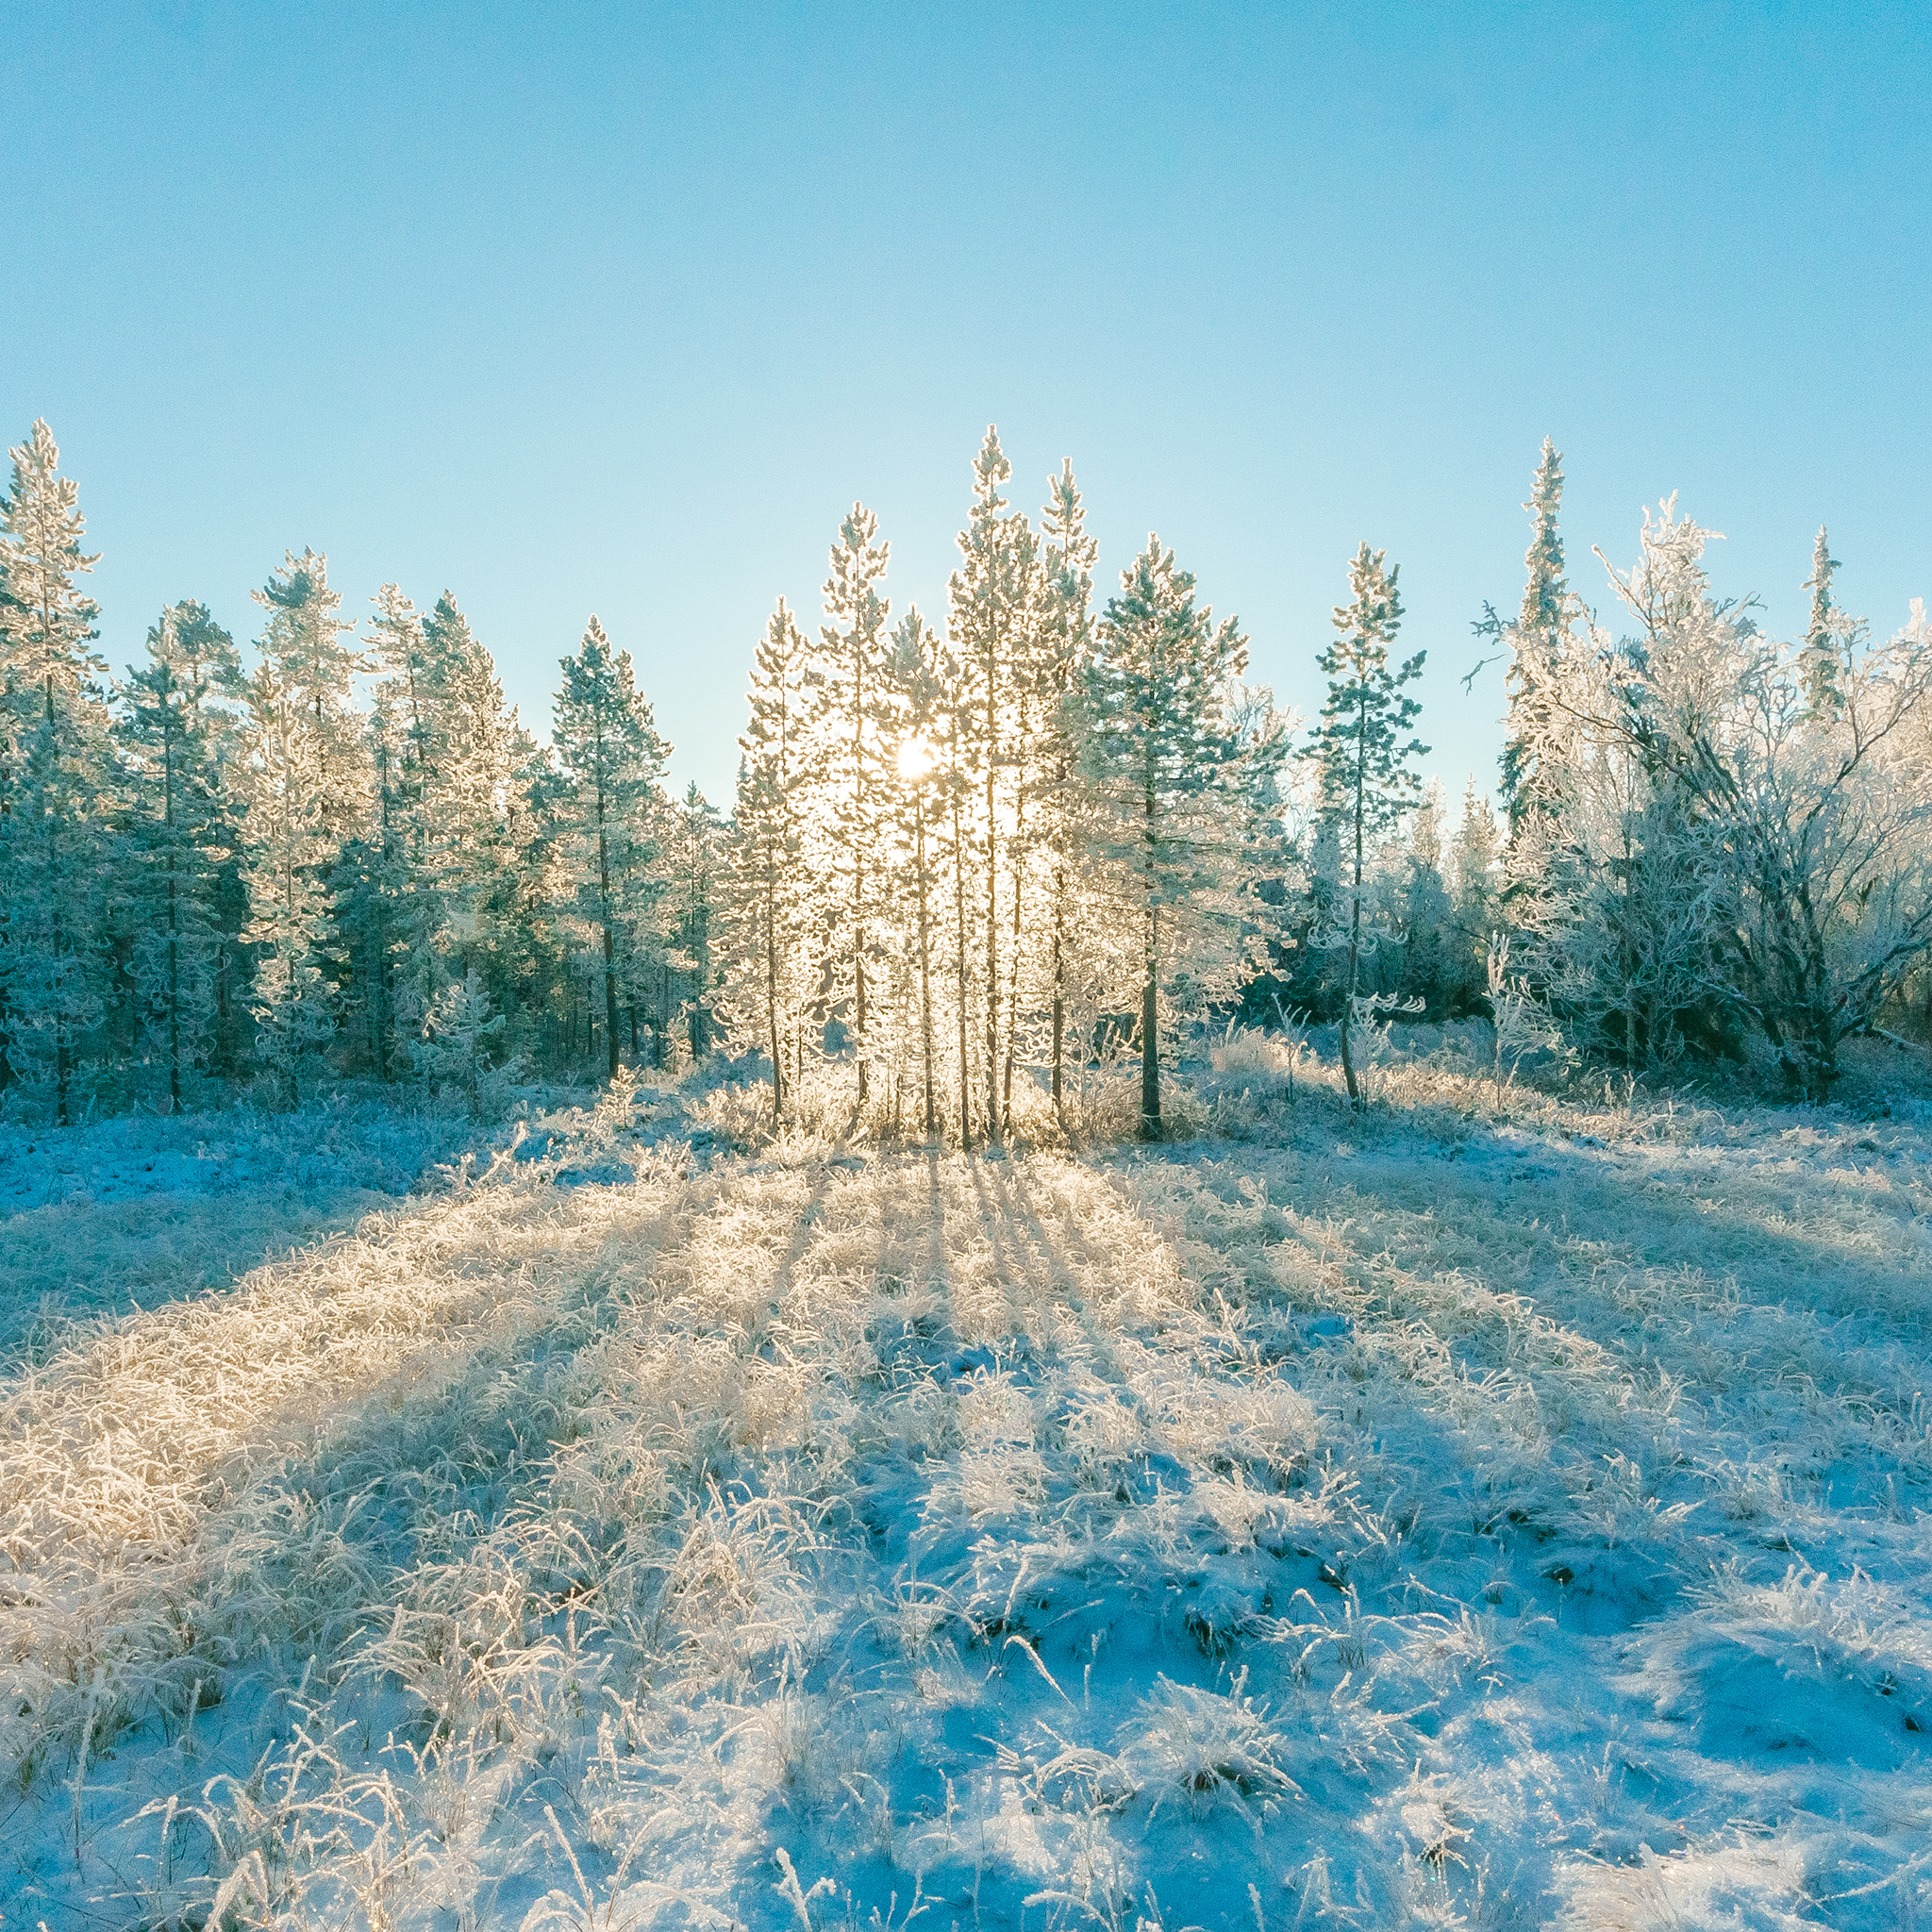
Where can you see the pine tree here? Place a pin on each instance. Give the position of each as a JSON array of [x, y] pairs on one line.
[[1066, 649], [612, 756], [1530, 777], [179, 738], [770, 900], [1821, 658], [308, 784], [454, 1044], [1362, 762], [54, 775], [995, 600], [1426, 965], [1164, 752], [914, 673], [847, 762], [693, 861], [1473, 885], [389, 906]]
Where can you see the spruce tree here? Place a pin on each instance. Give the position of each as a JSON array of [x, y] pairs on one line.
[[179, 738], [612, 757], [1473, 884], [1536, 642], [55, 778], [693, 867], [1359, 752], [1165, 754], [1821, 658]]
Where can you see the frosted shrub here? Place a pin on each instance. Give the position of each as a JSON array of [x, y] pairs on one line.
[[1193, 1747]]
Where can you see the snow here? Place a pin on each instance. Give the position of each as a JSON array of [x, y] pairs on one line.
[[1432, 1517]]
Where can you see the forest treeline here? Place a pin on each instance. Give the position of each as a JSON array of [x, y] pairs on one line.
[[968, 860]]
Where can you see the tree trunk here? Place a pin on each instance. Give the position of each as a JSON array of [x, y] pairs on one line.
[[960, 908], [1060, 980], [771, 994], [925, 963], [1150, 1033]]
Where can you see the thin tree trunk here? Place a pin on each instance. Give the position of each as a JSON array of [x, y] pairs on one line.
[[609, 945], [173, 940], [992, 895], [1150, 990], [1354, 913], [924, 961], [960, 908], [771, 992], [1150, 1033]]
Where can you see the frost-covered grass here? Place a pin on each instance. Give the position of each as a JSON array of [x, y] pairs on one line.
[[1494, 1510]]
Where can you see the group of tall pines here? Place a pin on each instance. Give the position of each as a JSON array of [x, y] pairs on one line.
[[969, 867]]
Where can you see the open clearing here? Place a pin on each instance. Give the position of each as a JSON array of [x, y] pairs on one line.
[[1432, 1519]]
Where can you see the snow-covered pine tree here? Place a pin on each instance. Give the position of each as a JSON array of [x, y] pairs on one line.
[[955, 708], [1473, 887], [1426, 951], [916, 847], [456, 1044], [847, 763], [1066, 647], [469, 779], [307, 786], [693, 864], [55, 779], [178, 730], [612, 757], [1360, 756], [1172, 775], [1534, 726], [389, 905], [996, 598], [1823, 657], [770, 900]]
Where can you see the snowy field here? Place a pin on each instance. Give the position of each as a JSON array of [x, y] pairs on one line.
[[1501, 1516]]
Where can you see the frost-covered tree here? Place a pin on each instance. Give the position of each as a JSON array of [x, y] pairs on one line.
[[1474, 885], [1060, 799], [434, 885], [1810, 817], [847, 762], [178, 732], [612, 758], [917, 847], [54, 776], [306, 782], [693, 864], [1532, 767], [1426, 965], [770, 912], [1362, 756], [994, 599], [1173, 780], [456, 1044], [1828, 644]]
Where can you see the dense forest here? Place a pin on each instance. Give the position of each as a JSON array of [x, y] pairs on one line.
[[968, 862]]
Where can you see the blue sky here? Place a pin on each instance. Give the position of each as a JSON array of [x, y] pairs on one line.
[[569, 308]]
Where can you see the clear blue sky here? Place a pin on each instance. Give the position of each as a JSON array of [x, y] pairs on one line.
[[569, 308]]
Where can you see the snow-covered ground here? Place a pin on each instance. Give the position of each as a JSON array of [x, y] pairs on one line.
[[1459, 1515]]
